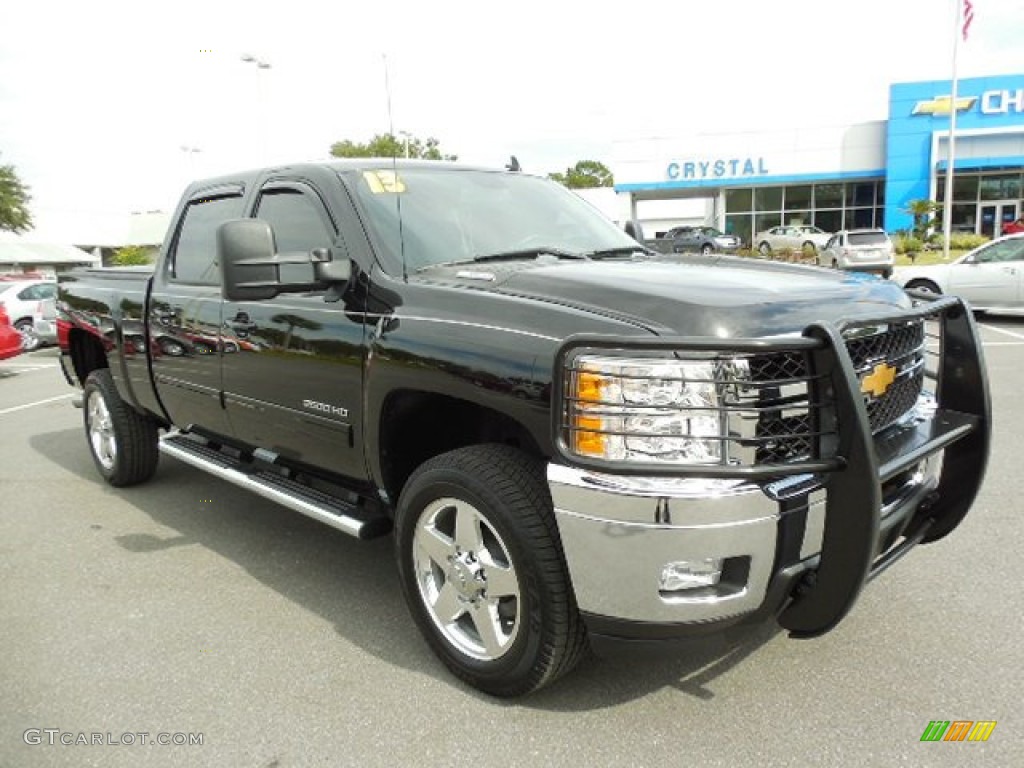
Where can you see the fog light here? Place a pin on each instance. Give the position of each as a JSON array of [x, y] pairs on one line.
[[690, 574]]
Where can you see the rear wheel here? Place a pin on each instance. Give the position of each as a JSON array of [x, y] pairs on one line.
[[122, 441], [482, 570], [706, 249], [764, 248], [809, 248], [923, 286], [29, 338]]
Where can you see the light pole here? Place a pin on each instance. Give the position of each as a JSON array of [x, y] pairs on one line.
[[406, 135], [261, 65]]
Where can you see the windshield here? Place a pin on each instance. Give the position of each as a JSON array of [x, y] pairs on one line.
[[453, 215]]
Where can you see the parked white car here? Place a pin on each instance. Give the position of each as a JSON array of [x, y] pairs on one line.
[[803, 237], [989, 277], [23, 301], [860, 250]]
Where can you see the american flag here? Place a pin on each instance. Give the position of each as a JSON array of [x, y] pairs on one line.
[[968, 17]]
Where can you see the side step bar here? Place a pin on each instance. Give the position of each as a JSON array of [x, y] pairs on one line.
[[337, 513]]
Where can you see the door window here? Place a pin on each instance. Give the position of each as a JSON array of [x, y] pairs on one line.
[[300, 225], [194, 259]]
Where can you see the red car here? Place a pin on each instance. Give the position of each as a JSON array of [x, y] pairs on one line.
[[10, 338]]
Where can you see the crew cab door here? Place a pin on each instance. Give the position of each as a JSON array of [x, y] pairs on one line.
[[183, 326], [293, 364]]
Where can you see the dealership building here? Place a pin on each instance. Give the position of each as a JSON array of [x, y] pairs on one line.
[[845, 176]]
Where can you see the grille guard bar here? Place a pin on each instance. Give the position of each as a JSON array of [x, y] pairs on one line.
[[853, 474]]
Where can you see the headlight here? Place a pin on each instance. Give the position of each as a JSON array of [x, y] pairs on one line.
[[647, 410]]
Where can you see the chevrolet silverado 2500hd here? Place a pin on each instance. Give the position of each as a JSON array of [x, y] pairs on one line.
[[571, 437]]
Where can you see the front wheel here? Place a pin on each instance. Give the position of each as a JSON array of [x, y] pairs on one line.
[[764, 248], [706, 249], [482, 570], [122, 441]]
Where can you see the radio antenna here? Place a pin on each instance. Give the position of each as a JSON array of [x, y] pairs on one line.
[[394, 168]]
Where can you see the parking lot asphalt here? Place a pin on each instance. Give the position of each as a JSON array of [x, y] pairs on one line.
[[186, 606]]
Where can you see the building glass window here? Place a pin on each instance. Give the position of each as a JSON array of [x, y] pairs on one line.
[[830, 221], [796, 218], [739, 200], [763, 221], [828, 196], [965, 188], [860, 218], [998, 187], [768, 199], [798, 198], [740, 224], [860, 193]]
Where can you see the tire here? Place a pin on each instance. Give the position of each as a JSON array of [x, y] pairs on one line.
[[923, 286], [706, 249], [481, 516], [809, 248], [764, 248], [30, 340], [123, 442]]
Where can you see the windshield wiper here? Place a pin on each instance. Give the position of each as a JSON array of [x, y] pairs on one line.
[[525, 253], [519, 253], [622, 250]]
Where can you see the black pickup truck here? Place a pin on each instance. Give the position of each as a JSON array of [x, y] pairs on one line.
[[573, 438]]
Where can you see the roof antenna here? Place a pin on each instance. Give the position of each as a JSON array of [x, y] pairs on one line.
[[513, 164], [394, 169]]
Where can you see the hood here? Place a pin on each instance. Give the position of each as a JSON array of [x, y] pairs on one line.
[[724, 297]]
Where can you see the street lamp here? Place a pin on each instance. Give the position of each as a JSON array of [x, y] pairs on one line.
[[261, 64], [190, 154], [406, 135]]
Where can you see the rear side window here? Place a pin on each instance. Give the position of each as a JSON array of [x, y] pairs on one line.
[[868, 238], [195, 253]]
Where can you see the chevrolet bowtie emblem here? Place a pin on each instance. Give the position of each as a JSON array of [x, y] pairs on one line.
[[878, 381], [942, 105]]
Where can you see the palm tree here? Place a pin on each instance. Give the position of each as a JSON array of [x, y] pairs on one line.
[[922, 211]]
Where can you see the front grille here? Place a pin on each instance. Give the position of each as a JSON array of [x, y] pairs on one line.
[[784, 435], [900, 346]]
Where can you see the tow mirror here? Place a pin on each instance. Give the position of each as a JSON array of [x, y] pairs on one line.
[[251, 267], [245, 251]]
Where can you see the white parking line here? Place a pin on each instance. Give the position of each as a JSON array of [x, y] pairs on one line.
[[37, 402], [1002, 330], [29, 368]]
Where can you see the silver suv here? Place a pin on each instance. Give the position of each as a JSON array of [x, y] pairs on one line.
[[861, 250]]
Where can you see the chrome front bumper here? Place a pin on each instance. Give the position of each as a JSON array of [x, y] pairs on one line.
[[619, 533]]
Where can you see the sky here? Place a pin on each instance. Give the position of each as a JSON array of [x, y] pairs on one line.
[[102, 103]]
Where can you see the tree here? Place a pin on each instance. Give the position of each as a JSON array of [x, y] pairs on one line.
[[922, 211], [14, 199], [131, 255], [586, 174], [389, 145]]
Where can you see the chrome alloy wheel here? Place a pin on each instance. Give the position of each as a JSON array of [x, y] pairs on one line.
[[466, 579], [101, 431]]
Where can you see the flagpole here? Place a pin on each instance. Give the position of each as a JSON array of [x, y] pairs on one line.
[[947, 199]]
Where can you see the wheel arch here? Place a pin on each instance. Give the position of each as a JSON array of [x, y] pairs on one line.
[[87, 354], [415, 426]]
